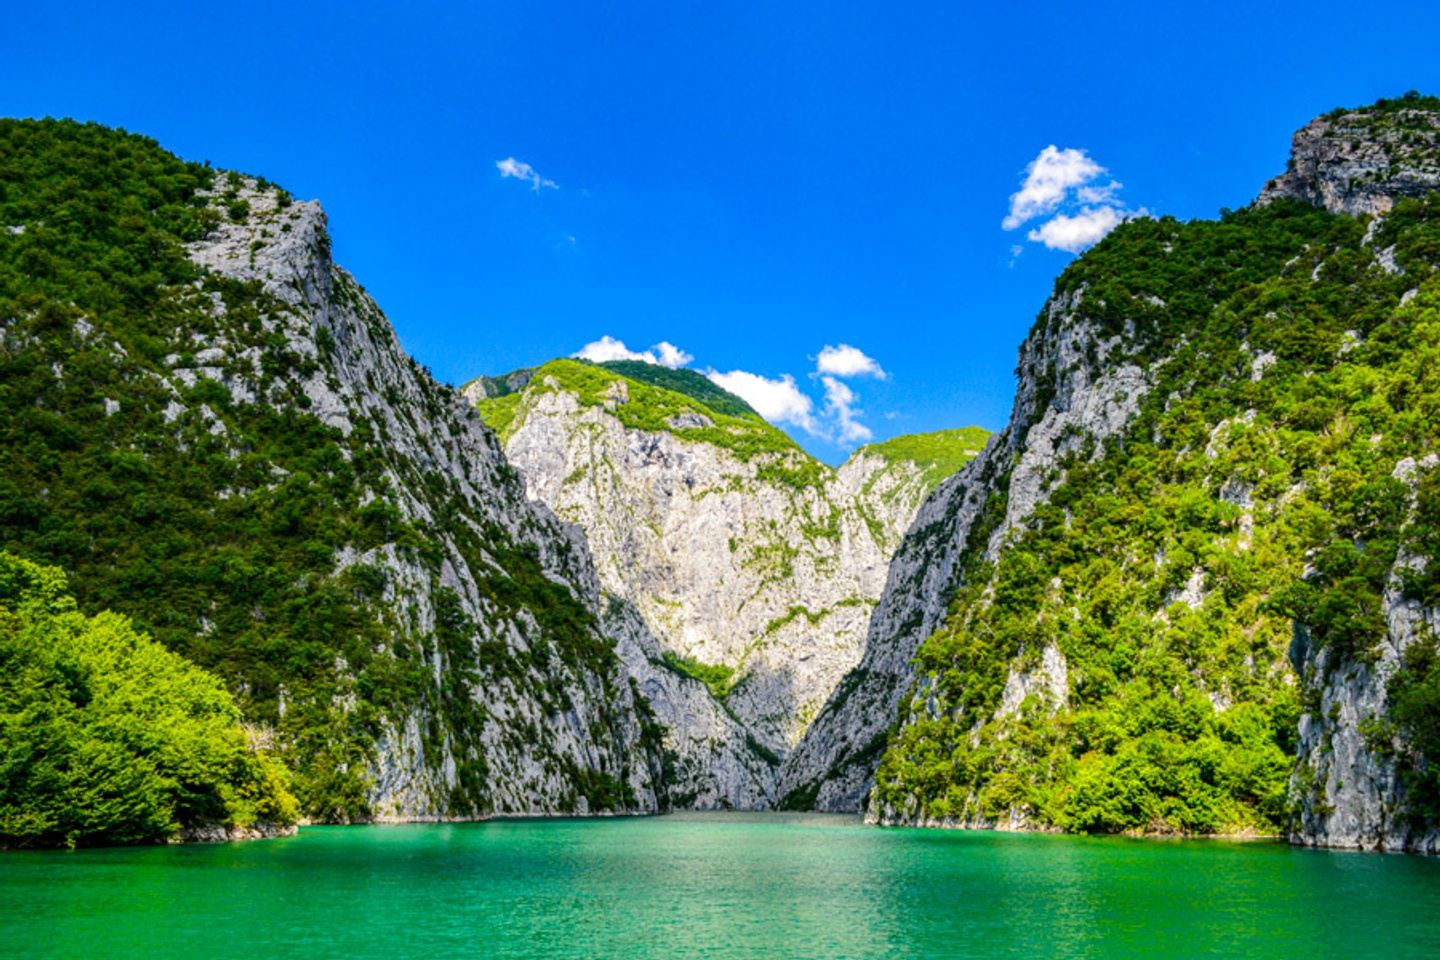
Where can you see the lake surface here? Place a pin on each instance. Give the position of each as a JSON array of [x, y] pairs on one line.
[[714, 886]]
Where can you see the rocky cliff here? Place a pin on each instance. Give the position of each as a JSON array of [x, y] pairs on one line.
[[1065, 400], [214, 429], [1216, 464], [755, 566], [1362, 161]]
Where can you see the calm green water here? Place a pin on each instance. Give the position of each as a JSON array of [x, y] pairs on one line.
[[714, 885]]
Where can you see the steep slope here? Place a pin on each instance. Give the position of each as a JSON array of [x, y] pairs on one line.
[[1219, 459], [1062, 400], [754, 565], [213, 429]]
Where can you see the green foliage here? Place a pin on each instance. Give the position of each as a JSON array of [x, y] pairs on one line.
[[220, 526], [1261, 492], [646, 406], [697, 386], [1387, 108], [108, 738], [501, 412], [717, 676], [1414, 694], [939, 454], [801, 798]]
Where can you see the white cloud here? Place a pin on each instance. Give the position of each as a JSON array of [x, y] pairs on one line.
[[1078, 232], [1086, 228], [848, 361], [608, 348], [1063, 185], [1105, 194], [510, 167], [781, 400], [840, 405], [664, 353], [778, 400], [672, 356], [1047, 179]]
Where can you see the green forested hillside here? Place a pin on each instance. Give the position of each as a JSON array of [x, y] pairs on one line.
[[96, 479], [688, 382], [652, 402], [106, 737], [938, 454], [1295, 372], [232, 523]]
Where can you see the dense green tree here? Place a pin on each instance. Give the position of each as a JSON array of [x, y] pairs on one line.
[[106, 737]]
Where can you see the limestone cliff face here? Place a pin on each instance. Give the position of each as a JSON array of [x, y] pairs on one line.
[[1361, 161], [1348, 783], [1066, 396], [764, 568], [514, 719]]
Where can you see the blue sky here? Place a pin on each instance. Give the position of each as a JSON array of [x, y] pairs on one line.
[[747, 182]]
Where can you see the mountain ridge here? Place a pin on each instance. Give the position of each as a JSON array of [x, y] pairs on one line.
[[752, 562], [1092, 626], [1190, 588], [213, 429]]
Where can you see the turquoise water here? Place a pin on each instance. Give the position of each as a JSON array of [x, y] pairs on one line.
[[715, 886]]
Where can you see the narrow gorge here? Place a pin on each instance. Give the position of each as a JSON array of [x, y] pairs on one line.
[[753, 565], [1190, 588]]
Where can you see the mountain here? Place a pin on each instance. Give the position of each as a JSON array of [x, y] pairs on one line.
[[211, 427], [1191, 586], [754, 565]]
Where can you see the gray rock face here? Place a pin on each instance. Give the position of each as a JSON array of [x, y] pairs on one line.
[[710, 764], [482, 387], [1361, 161], [218, 833], [834, 765], [1069, 394], [549, 719], [723, 565], [1346, 782], [1066, 395]]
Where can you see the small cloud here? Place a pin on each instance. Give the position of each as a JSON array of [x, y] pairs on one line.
[[510, 167], [1047, 179], [607, 348], [848, 361], [1086, 228], [672, 356], [1105, 194], [1064, 186], [778, 401], [840, 406]]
